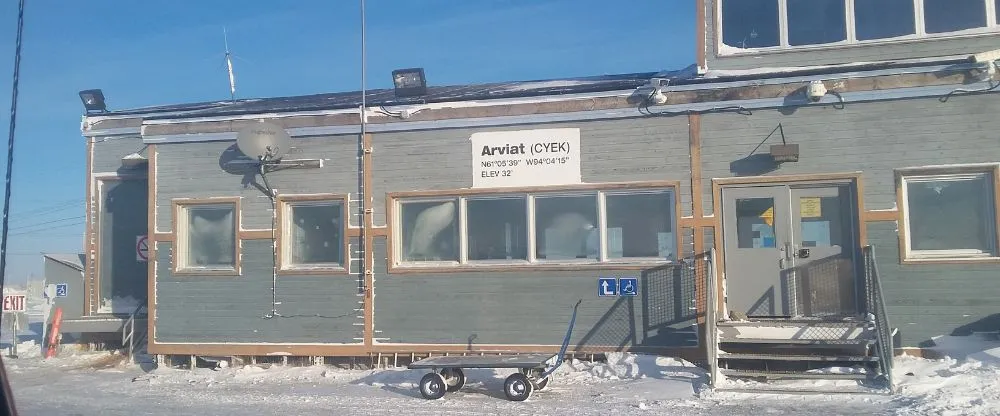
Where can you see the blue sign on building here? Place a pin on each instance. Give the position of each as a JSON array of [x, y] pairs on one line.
[[607, 286], [62, 290], [628, 286]]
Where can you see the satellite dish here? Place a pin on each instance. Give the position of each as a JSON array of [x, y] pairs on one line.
[[263, 141]]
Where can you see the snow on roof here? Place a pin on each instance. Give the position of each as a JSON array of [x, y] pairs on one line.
[[72, 260]]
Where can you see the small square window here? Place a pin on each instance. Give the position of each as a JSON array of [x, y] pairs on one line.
[[313, 235], [641, 225], [566, 227], [430, 231], [207, 236], [950, 216], [497, 229], [748, 24]]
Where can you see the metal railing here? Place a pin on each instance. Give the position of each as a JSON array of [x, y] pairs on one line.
[[876, 314], [131, 338], [711, 319]]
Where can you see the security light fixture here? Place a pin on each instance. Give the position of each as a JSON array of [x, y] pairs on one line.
[[409, 82], [93, 101]]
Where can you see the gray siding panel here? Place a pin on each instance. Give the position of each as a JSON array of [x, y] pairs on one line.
[[871, 137], [640, 149], [218, 309], [531, 308], [928, 300], [840, 55], [194, 170], [108, 152]]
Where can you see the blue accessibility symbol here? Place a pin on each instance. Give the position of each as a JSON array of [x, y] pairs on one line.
[[629, 286], [607, 286]]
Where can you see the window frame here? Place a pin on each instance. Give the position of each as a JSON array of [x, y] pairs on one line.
[[283, 242], [722, 50], [180, 230], [598, 191], [989, 171]]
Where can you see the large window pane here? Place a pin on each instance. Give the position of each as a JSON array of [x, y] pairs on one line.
[[566, 227], [315, 234], [497, 229], [953, 15], [640, 225], [750, 23], [430, 231], [211, 236], [880, 19], [951, 214], [812, 22]]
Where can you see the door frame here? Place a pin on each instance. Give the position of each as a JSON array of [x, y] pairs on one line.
[[853, 179], [92, 230]]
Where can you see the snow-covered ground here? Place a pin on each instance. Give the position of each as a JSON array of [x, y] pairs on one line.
[[77, 383]]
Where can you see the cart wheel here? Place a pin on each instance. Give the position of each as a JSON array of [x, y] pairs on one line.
[[533, 374], [432, 386], [454, 378], [517, 387]]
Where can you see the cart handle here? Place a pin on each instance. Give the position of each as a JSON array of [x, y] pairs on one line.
[[565, 344]]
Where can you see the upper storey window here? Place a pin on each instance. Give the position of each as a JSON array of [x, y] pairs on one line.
[[762, 25]]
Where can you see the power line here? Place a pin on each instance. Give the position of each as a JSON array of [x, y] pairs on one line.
[[21, 227], [46, 229]]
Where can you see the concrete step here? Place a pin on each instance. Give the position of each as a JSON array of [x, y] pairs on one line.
[[790, 357], [792, 375]]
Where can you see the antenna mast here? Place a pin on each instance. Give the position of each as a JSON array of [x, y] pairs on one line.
[[229, 66]]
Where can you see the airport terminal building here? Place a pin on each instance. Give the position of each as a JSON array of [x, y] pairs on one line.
[[471, 218]]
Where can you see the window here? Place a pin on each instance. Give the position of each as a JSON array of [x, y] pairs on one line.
[[950, 216], [312, 233], [953, 15], [430, 231], [639, 226], [497, 229], [750, 24], [814, 22], [790, 24], [882, 19], [566, 226], [206, 236]]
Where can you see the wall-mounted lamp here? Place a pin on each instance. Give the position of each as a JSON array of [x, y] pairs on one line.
[[93, 101], [409, 82], [134, 160]]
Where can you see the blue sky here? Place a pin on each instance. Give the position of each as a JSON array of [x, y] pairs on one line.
[[161, 52]]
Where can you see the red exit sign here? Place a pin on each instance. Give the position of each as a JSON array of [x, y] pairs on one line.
[[13, 303]]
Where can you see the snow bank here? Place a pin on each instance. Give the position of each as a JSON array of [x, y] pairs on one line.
[[627, 366], [947, 387]]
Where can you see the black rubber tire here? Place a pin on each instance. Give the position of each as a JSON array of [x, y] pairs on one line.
[[517, 387], [432, 386], [454, 378]]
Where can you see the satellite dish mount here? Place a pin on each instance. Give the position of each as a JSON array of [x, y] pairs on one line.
[[267, 144]]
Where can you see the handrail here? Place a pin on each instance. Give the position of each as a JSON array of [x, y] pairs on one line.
[[129, 339], [875, 308], [711, 319]]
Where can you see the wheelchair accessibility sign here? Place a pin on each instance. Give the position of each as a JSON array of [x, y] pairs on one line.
[[617, 286]]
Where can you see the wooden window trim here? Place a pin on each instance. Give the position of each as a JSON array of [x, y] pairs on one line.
[[394, 199], [991, 169], [178, 205], [284, 204]]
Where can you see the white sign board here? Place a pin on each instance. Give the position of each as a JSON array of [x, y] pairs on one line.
[[141, 248], [13, 303], [526, 158]]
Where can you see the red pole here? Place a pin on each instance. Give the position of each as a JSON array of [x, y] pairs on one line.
[[54, 334]]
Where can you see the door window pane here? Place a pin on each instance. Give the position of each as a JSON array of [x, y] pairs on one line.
[[755, 223], [315, 234], [640, 225], [750, 23], [821, 223], [880, 19], [953, 15], [211, 235], [951, 213], [430, 231], [497, 229], [812, 22], [566, 227]]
